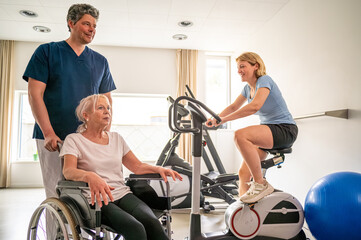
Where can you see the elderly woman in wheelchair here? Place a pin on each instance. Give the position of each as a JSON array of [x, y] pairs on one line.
[[95, 156]]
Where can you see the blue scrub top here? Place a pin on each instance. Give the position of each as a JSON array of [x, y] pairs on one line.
[[274, 109], [68, 78]]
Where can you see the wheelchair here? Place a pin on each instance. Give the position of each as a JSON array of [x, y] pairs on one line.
[[72, 217]]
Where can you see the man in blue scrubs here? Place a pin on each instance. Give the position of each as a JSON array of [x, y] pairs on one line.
[[59, 75]]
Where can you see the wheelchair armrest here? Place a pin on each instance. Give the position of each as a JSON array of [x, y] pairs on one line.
[[139, 185], [150, 176], [71, 184], [67, 184]]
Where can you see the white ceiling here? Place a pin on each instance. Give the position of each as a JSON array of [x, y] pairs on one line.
[[219, 25]]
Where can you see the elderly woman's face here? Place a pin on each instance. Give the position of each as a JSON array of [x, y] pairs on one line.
[[102, 114]]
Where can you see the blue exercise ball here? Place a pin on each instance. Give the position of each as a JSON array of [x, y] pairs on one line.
[[333, 207]]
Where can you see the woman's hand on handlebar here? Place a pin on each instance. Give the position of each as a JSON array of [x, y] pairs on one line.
[[212, 122]]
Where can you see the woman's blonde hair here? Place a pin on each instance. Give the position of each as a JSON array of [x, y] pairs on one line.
[[87, 105], [253, 58]]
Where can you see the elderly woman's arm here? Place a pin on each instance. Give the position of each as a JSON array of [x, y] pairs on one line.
[[98, 187], [131, 162]]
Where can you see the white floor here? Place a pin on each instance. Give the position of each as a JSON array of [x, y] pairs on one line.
[[17, 206]]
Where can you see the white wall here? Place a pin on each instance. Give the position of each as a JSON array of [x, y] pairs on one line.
[[142, 70], [312, 50], [134, 70]]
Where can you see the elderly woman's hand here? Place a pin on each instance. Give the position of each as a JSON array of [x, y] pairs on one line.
[[99, 189], [164, 172]]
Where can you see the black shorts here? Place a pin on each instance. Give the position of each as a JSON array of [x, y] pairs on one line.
[[284, 135]]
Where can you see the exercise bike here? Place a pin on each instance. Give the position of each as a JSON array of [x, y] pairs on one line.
[[278, 216], [168, 157], [217, 184]]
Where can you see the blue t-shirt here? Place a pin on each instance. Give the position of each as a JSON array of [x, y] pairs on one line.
[[274, 109], [68, 78]]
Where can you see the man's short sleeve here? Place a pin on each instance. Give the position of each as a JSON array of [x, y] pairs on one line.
[[107, 83], [38, 66]]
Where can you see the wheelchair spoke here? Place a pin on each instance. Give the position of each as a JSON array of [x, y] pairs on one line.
[[52, 220]]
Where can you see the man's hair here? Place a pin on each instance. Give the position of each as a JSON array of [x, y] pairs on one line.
[[77, 11]]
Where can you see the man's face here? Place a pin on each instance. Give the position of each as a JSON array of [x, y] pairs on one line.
[[84, 29]]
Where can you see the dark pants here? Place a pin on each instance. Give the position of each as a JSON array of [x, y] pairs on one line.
[[284, 135], [133, 219]]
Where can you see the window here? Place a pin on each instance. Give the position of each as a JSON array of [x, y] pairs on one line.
[[24, 147], [217, 82], [217, 85], [222, 86], [140, 119]]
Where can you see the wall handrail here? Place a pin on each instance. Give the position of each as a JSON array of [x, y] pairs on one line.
[[342, 113]]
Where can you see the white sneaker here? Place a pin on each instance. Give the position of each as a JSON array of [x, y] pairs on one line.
[[256, 192]]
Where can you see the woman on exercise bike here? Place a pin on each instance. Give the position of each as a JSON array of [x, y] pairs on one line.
[[276, 130], [96, 156]]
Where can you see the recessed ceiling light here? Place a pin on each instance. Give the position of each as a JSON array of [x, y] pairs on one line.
[[185, 23], [180, 37], [28, 13], [41, 29]]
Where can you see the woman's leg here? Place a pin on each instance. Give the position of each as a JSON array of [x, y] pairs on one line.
[[139, 210], [244, 177], [245, 174], [122, 222], [248, 140]]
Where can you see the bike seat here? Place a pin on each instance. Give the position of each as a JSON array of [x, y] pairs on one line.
[[278, 150]]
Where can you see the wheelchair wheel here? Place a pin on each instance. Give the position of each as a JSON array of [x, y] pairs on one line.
[[62, 227]]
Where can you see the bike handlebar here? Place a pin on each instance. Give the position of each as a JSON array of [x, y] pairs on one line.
[[174, 122]]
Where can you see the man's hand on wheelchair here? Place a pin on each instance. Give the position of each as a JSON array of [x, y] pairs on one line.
[[99, 190]]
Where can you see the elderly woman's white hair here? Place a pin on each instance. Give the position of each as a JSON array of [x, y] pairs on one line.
[[87, 105]]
